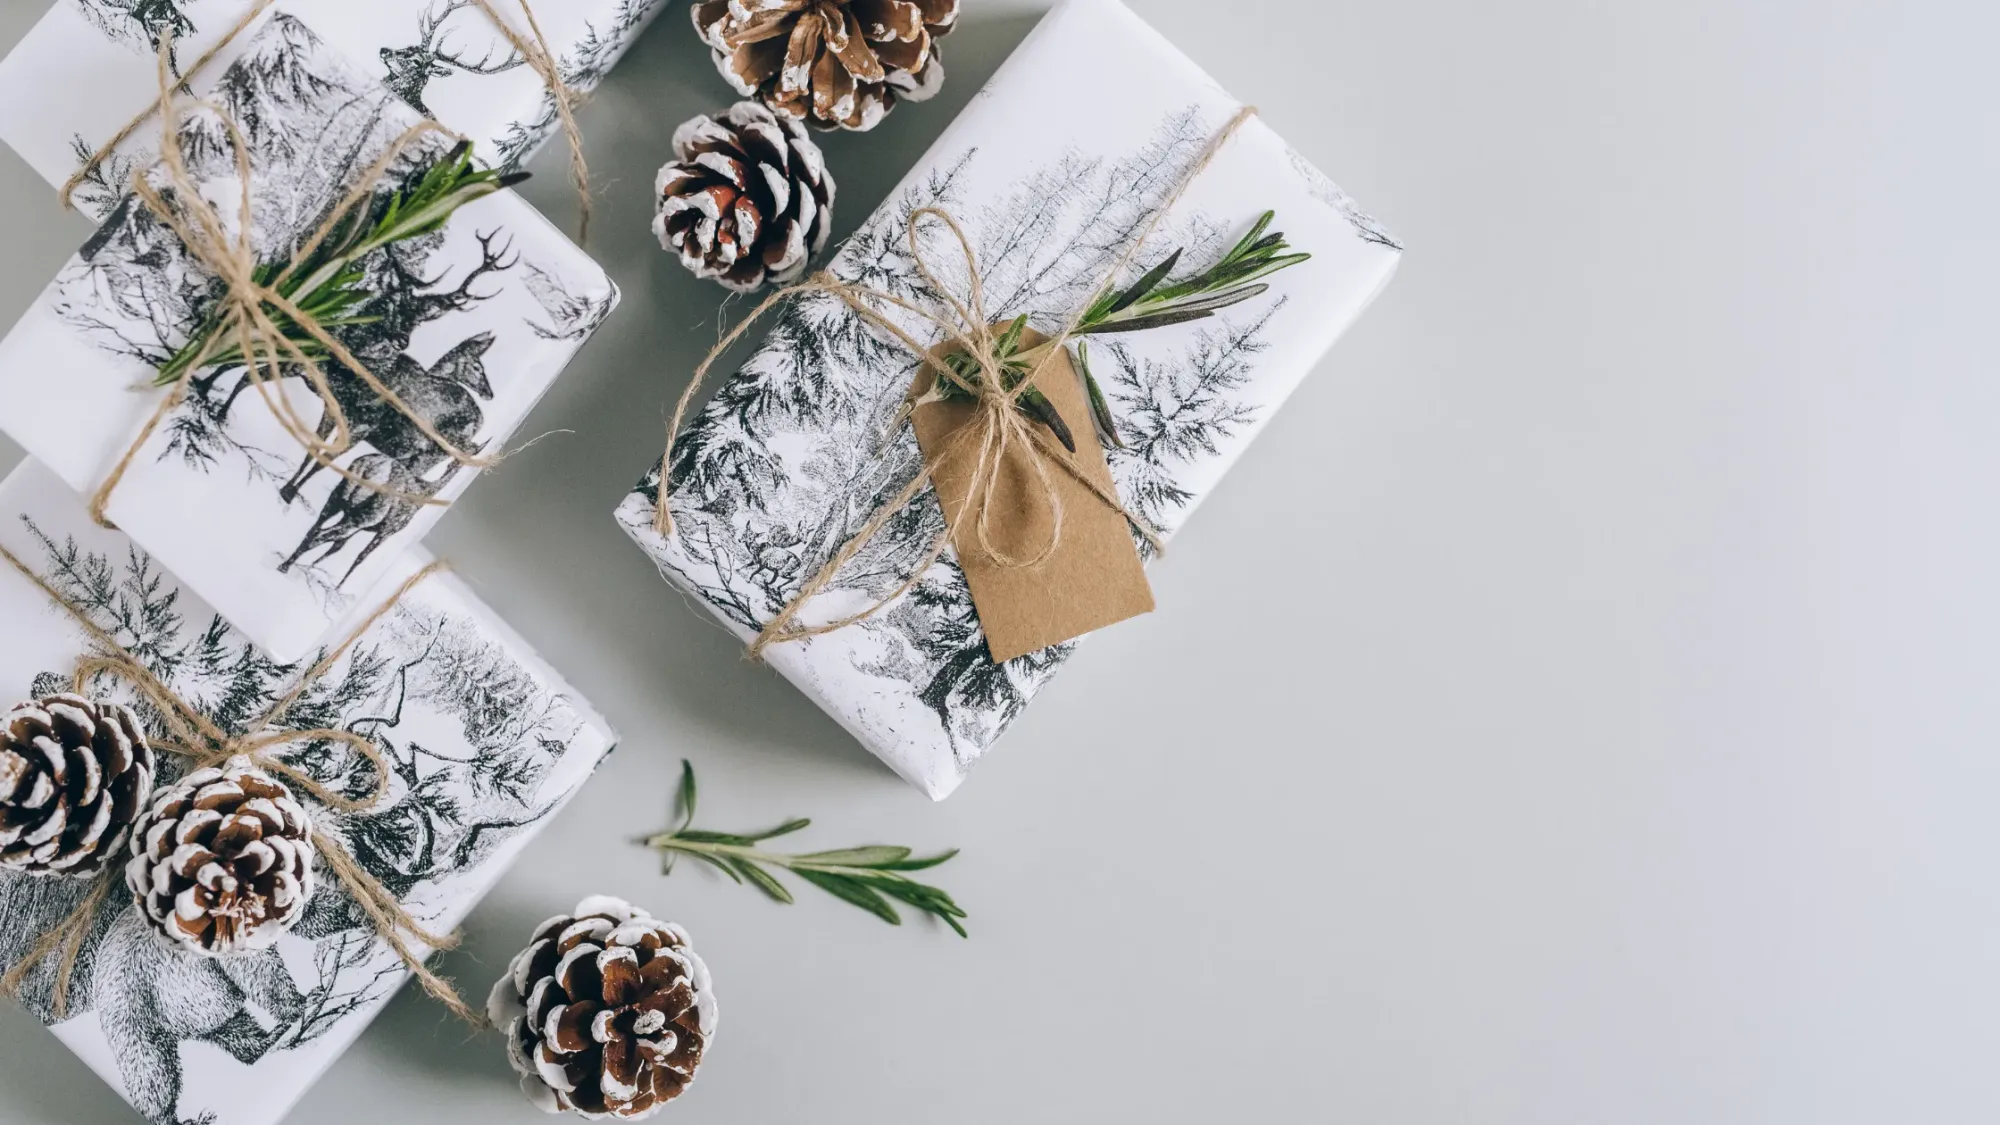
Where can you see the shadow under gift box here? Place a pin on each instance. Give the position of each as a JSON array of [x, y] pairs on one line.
[[81, 73], [468, 326], [1052, 170], [486, 740]]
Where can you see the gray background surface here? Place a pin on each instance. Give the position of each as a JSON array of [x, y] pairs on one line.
[[1633, 759]]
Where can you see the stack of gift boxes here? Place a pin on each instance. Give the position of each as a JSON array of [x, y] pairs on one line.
[[236, 556], [234, 559]]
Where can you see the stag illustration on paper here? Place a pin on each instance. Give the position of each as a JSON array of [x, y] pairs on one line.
[[311, 126]]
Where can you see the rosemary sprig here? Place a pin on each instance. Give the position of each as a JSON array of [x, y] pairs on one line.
[[867, 877], [1150, 302], [328, 285]]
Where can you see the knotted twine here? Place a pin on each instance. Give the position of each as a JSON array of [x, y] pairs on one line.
[[198, 739], [997, 425], [246, 321]]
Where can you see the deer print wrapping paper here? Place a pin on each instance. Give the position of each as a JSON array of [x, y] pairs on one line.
[[88, 66], [1051, 170], [468, 326], [485, 740]]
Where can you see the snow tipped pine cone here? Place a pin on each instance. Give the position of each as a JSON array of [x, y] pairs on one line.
[[607, 1012], [836, 63], [223, 861], [74, 775], [747, 199]]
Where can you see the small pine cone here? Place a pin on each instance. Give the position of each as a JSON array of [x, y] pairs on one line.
[[836, 63], [223, 862], [747, 200], [607, 1012], [73, 776]]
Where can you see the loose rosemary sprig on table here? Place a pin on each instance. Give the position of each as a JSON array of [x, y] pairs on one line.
[[328, 286], [867, 877], [1150, 302]]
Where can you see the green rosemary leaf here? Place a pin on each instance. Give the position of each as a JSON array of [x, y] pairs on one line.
[[921, 863], [684, 796], [694, 836], [762, 880], [857, 857], [846, 889], [1256, 232], [784, 829], [1255, 270], [1268, 245], [1100, 409], [1183, 312], [1011, 338], [930, 900], [1037, 406], [719, 865], [1145, 284]]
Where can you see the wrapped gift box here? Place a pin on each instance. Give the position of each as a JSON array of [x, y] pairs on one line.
[[473, 324], [1079, 136], [89, 66], [486, 742]]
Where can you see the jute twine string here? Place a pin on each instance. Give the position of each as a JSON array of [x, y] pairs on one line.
[[543, 62], [536, 54], [246, 303], [193, 736], [998, 425], [246, 322]]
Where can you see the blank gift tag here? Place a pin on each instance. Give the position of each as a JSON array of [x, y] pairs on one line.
[[1092, 579]]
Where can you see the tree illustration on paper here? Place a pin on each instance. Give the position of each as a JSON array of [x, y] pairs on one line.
[[142, 23], [583, 68], [311, 126], [451, 803], [756, 517]]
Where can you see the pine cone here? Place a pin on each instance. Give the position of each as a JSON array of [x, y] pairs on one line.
[[747, 199], [73, 776], [607, 1012], [223, 861], [835, 63]]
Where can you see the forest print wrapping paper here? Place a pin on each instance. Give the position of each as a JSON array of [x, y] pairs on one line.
[[469, 326], [485, 740], [89, 65], [1052, 170]]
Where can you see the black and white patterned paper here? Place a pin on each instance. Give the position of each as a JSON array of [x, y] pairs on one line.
[[795, 453], [469, 326], [485, 740], [82, 72]]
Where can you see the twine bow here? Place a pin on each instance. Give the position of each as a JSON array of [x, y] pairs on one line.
[[195, 737], [246, 321], [997, 426]]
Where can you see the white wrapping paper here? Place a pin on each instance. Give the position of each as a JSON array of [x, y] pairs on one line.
[[486, 741], [1065, 154], [89, 66], [471, 326]]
